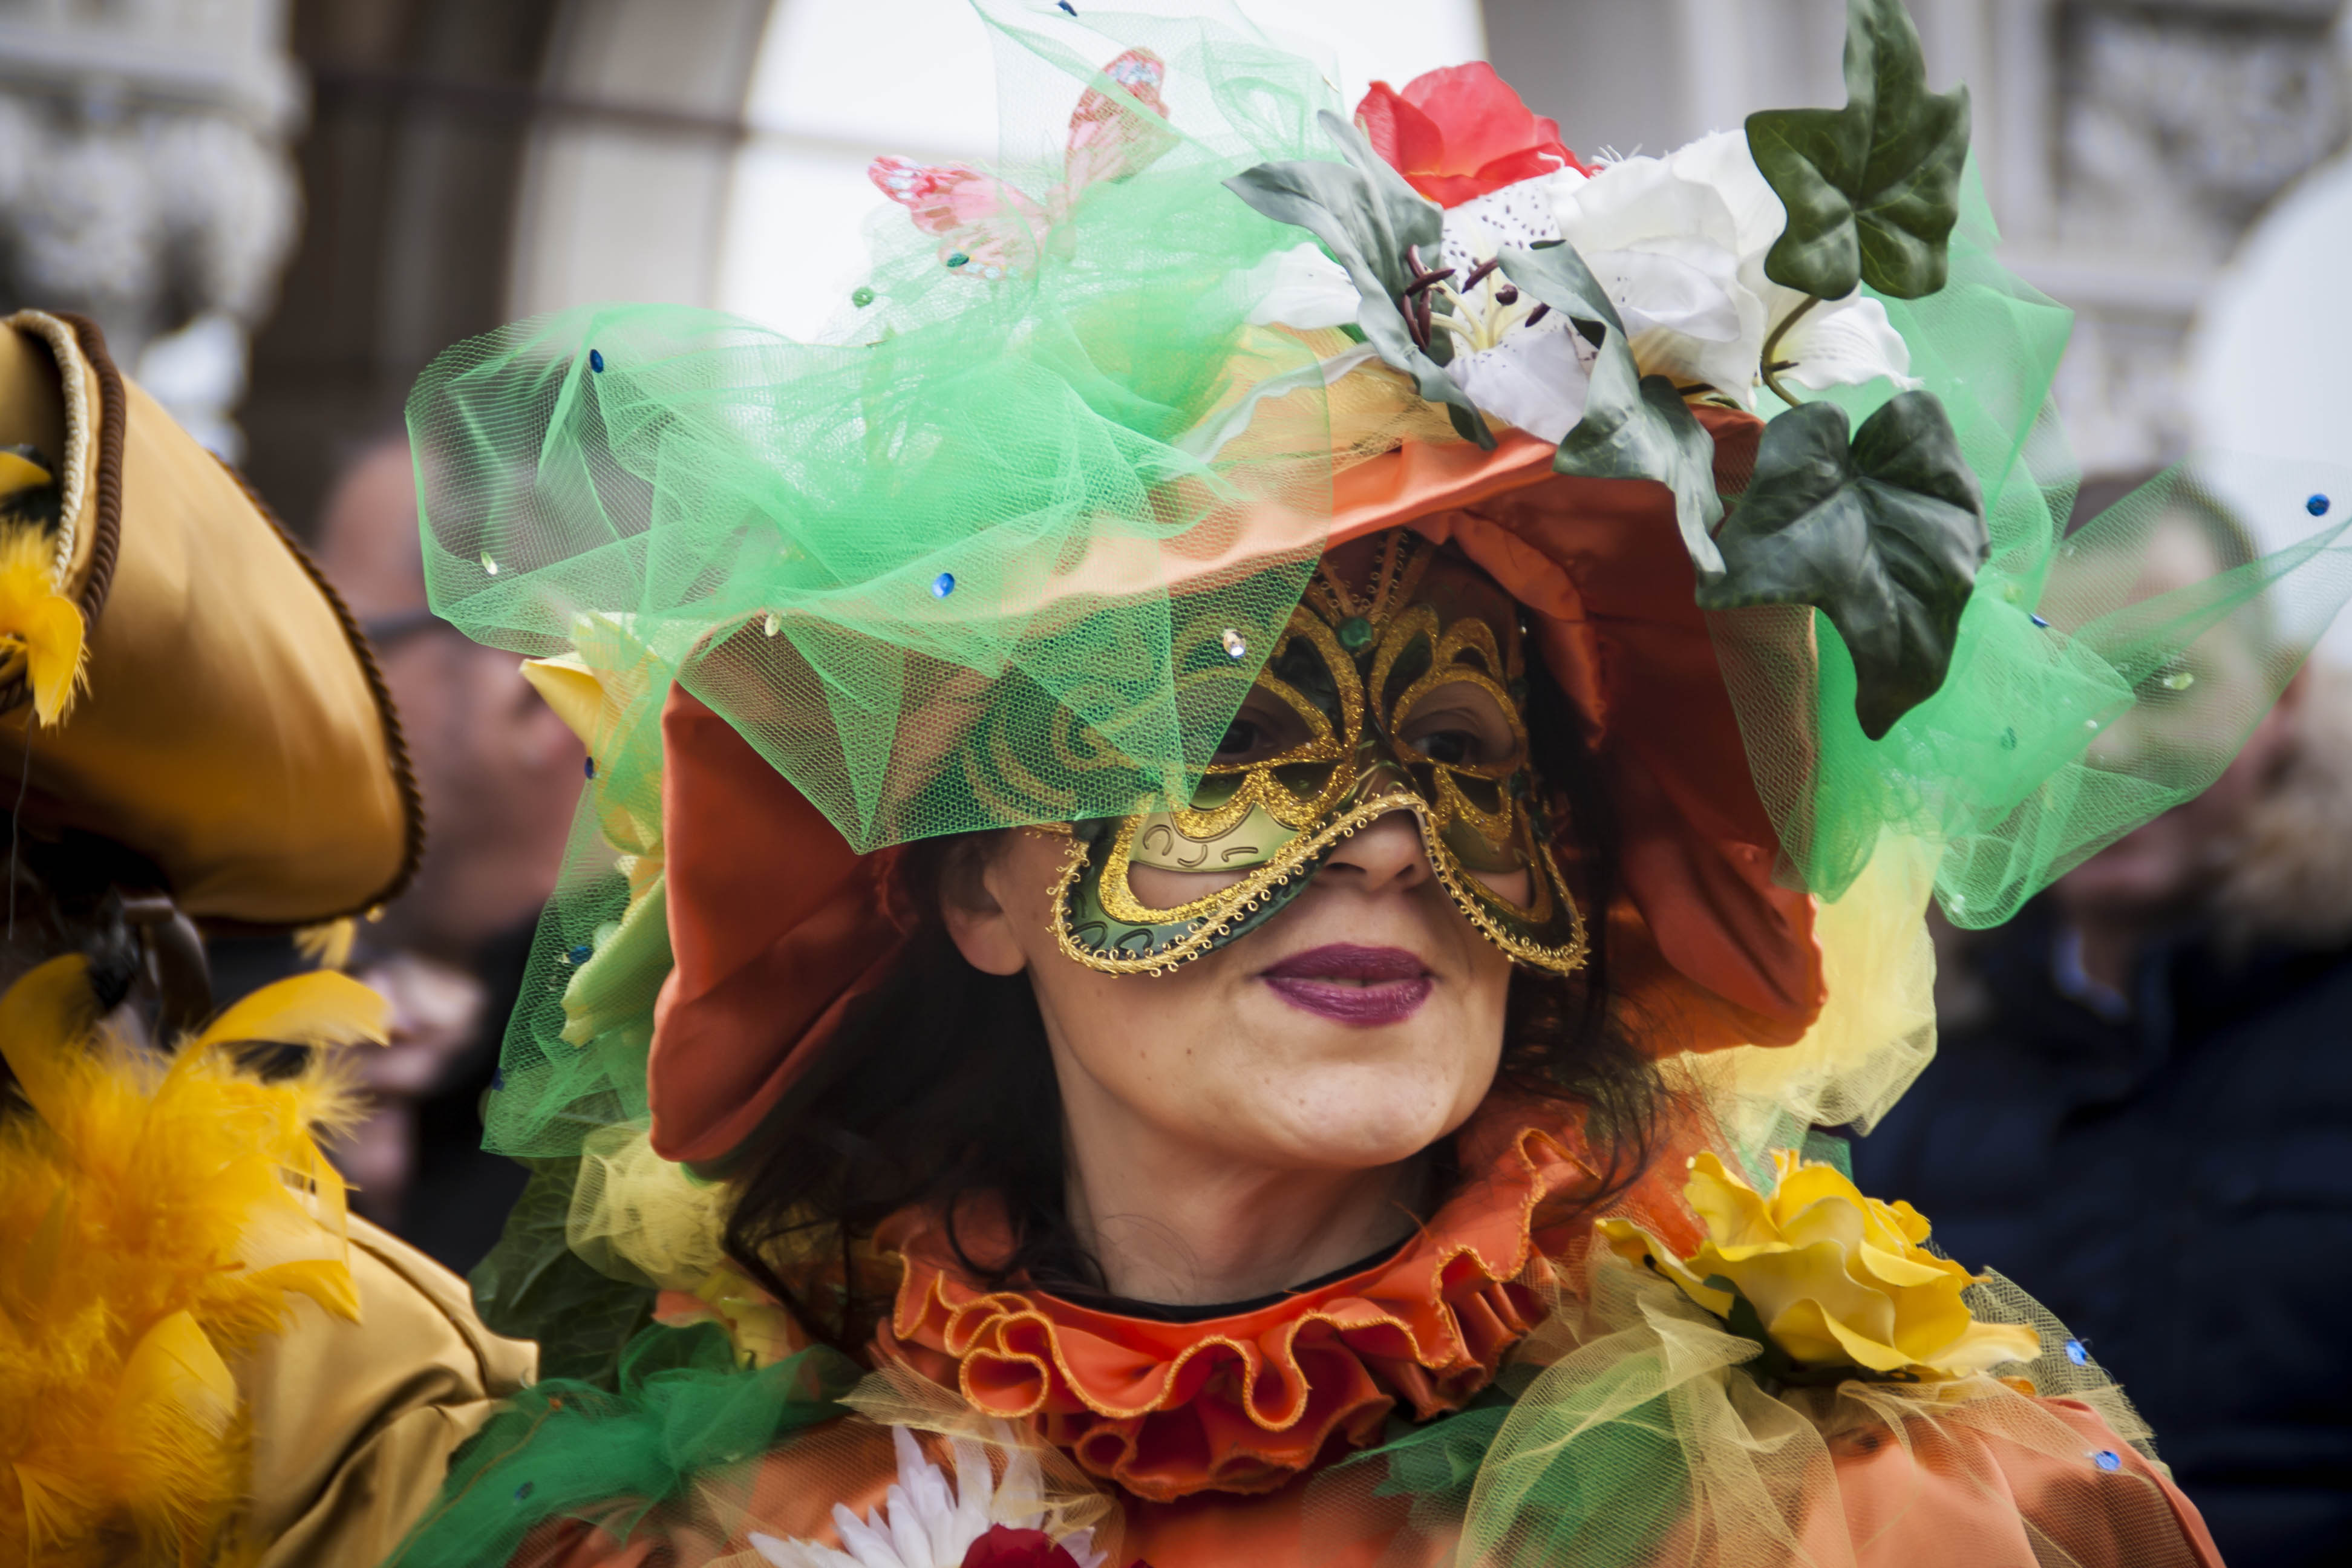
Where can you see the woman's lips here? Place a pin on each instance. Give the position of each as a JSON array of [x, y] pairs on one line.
[[1365, 986]]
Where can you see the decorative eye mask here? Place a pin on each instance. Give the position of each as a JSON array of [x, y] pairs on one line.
[[1404, 699]]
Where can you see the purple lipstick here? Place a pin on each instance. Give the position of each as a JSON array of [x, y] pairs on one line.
[[1363, 987]]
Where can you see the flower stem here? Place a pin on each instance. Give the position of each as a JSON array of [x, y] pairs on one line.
[[1769, 366]]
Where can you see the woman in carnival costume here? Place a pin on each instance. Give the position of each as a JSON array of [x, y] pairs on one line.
[[203, 1358], [1234, 841]]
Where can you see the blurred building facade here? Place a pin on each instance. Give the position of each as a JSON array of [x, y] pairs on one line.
[[336, 189], [2127, 145], [145, 180], [467, 162]]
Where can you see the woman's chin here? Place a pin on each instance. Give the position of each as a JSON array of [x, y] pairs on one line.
[[1353, 1117]]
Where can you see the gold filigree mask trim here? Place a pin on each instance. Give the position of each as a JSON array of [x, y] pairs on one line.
[[1232, 910], [1344, 757]]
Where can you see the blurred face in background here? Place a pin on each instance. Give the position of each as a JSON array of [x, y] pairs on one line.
[[2196, 707], [499, 772]]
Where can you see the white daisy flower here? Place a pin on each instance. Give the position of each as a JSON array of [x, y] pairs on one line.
[[924, 1522]]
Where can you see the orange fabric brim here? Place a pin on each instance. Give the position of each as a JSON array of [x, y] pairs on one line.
[[777, 924]]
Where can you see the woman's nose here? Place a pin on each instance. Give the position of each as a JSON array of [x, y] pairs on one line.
[[1385, 854]]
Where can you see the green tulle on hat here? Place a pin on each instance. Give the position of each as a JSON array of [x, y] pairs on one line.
[[2029, 759], [683, 1415], [1009, 549]]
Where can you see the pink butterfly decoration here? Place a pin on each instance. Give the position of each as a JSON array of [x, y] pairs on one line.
[[999, 230]]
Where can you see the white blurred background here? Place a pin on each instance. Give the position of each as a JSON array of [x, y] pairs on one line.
[[281, 208]]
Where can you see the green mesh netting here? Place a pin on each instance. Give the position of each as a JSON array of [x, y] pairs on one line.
[[1635, 1432], [2101, 676], [959, 566], [955, 569], [683, 1416], [926, 569], [963, 565]]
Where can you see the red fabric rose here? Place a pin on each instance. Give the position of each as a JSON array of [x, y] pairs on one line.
[[1005, 1547], [1461, 133]]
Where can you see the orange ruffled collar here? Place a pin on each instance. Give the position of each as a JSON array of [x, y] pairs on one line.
[[1242, 1403]]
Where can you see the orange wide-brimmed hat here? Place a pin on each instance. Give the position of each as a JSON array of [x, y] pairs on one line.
[[777, 924]]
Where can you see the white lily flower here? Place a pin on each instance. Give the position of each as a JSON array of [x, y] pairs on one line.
[[1846, 342], [1301, 287], [925, 1523], [1722, 163], [1678, 244], [1665, 247], [1522, 215], [1536, 379], [1532, 374]]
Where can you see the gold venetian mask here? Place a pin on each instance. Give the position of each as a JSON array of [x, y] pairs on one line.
[[1403, 694]]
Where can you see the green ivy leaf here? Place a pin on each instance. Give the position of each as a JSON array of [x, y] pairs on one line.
[[532, 1285], [1365, 215], [1884, 537], [1634, 426], [1872, 189]]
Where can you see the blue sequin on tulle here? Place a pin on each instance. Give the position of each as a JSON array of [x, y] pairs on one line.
[[596, 362], [582, 953], [943, 584], [2317, 506], [2107, 1460], [2077, 1353]]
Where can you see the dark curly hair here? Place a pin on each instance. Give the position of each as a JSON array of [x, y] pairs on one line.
[[940, 1084]]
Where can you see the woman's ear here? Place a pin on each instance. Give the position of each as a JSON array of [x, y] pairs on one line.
[[978, 921]]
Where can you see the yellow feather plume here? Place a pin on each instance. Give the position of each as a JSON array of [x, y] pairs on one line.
[[321, 1009], [20, 473], [158, 1216], [43, 1019], [39, 624], [329, 945]]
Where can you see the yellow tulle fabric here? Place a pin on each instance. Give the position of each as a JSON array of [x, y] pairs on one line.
[[642, 1219], [1876, 1032], [601, 689], [1636, 1391], [636, 1215], [157, 1215]]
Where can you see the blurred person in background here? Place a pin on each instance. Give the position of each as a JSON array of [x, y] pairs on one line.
[[2142, 1101], [498, 771]]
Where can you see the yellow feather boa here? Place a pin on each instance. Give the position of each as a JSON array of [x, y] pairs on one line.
[[157, 1214]]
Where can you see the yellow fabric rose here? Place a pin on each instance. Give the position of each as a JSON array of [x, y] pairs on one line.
[[1834, 1278]]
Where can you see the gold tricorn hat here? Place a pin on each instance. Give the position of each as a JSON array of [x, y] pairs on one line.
[[175, 675]]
